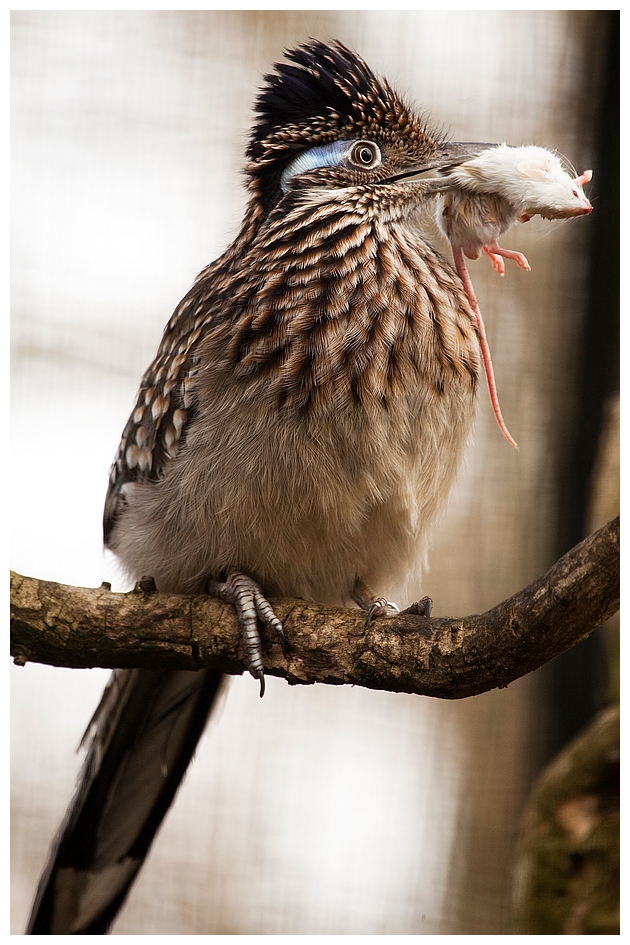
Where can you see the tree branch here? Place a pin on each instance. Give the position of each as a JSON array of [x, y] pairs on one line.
[[442, 656]]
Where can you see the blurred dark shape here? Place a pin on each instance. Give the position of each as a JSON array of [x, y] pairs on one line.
[[577, 681]]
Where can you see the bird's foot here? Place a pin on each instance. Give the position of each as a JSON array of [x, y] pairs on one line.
[[251, 606], [381, 607], [375, 606], [423, 607]]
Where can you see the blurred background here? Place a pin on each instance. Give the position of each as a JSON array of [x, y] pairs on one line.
[[318, 810]]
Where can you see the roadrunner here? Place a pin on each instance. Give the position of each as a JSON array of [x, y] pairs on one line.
[[297, 434]]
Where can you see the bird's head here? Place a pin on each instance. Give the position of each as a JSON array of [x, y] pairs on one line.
[[323, 119]]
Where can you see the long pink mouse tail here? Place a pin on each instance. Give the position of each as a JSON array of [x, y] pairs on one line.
[[460, 265]]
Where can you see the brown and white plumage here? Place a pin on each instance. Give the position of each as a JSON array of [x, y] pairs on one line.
[[297, 434], [331, 410]]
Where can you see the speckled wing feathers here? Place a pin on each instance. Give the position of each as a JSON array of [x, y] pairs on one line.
[[165, 405]]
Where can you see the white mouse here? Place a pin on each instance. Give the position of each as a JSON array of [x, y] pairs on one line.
[[502, 186]]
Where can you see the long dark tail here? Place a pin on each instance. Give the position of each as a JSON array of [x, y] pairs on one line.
[[142, 738]]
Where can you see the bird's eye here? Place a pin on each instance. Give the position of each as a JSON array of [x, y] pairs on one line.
[[364, 154]]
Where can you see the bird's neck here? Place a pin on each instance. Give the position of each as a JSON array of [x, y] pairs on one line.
[[334, 303]]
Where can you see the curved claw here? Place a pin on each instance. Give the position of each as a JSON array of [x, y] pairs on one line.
[[380, 607], [251, 606], [421, 607], [375, 606], [424, 606]]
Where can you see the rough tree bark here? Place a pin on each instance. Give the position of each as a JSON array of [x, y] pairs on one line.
[[446, 657]]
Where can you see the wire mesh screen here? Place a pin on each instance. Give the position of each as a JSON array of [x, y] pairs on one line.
[[323, 810]]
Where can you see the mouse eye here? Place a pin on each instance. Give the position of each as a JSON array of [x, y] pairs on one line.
[[576, 193]]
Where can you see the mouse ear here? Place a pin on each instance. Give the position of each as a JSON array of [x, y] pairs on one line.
[[535, 170], [583, 178]]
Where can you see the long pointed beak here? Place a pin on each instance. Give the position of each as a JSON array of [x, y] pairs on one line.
[[448, 155], [453, 153]]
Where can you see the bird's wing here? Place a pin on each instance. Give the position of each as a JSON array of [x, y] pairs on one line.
[[164, 408]]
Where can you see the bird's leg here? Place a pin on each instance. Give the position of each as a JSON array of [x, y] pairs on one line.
[[460, 265], [375, 606], [251, 606], [495, 252]]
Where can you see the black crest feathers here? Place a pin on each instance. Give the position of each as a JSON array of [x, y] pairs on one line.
[[322, 90], [324, 87]]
